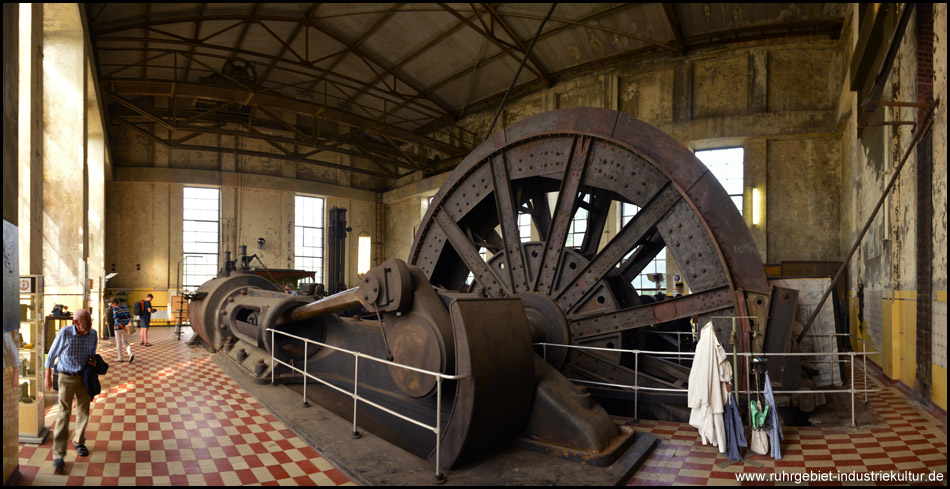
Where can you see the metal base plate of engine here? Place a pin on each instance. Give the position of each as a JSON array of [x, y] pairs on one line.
[[370, 460]]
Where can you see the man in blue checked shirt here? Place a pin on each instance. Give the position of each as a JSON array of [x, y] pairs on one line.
[[73, 346]]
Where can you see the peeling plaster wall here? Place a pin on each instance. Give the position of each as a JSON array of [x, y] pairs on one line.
[[405, 207], [939, 266], [883, 274], [803, 181], [719, 86], [940, 149], [137, 237]]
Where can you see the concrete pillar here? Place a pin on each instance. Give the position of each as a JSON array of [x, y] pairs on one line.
[[64, 175], [683, 92], [30, 150], [96, 207], [10, 102], [11, 372], [758, 81]]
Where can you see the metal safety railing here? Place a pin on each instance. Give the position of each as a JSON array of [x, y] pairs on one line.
[[439, 377], [636, 387], [679, 343]]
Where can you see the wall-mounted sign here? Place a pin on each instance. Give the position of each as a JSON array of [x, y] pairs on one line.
[[27, 285]]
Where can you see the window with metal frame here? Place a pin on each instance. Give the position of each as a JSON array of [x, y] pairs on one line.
[[524, 226], [201, 215], [309, 235], [728, 167], [642, 282], [575, 235]]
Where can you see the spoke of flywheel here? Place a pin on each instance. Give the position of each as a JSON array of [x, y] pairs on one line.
[[632, 266], [488, 239], [469, 255], [564, 213], [596, 220], [685, 306], [508, 219], [540, 211], [628, 237]]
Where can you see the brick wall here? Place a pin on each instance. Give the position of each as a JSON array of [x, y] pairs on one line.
[[925, 52]]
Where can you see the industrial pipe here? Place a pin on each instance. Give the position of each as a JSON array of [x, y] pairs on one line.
[[337, 302]]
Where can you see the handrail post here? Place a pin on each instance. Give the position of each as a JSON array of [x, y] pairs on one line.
[[852, 389], [864, 353], [306, 403], [636, 385], [679, 348], [439, 476], [272, 349], [356, 379], [748, 383]]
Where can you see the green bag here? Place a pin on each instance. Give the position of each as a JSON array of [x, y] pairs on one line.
[[758, 414]]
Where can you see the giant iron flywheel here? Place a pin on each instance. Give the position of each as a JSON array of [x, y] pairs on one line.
[[548, 167]]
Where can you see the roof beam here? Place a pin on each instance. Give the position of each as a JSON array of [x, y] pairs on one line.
[[582, 23], [371, 59], [286, 46], [386, 16], [411, 56], [494, 40], [247, 97], [465, 71], [201, 13], [290, 156], [311, 22], [676, 26], [366, 149], [511, 33], [409, 100]]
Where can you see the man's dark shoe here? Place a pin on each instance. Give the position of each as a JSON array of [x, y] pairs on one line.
[[82, 450], [131, 357], [59, 467]]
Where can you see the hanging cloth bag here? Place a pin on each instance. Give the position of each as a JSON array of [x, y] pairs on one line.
[[760, 437]]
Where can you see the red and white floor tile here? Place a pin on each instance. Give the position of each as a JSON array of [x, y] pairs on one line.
[[174, 417], [907, 442]]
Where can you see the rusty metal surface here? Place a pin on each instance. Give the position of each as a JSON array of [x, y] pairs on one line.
[[204, 313], [493, 402], [565, 416], [783, 371], [334, 303], [453, 311], [604, 157]]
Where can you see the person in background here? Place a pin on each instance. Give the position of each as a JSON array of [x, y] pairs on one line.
[[122, 319], [74, 348], [145, 318], [289, 290]]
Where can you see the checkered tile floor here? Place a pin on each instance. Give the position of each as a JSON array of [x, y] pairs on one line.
[[173, 417], [907, 439]]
